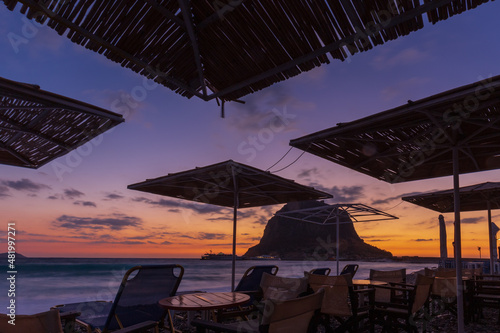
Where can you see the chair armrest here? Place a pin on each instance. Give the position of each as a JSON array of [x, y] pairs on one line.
[[138, 328], [69, 320], [70, 315], [395, 288]]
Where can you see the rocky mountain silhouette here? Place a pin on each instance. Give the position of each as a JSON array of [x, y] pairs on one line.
[[298, 240]]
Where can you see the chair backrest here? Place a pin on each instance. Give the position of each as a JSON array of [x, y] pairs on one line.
[[423, 285], [444, 287], [44, 322], [350, 269], [250, 281], [446, 272], [397, 276], [282, 288], [321, 271], [140, 290], [336, 301], [471, 272], [290, 315]]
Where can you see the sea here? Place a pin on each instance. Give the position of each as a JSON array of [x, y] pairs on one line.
[[40, 283]]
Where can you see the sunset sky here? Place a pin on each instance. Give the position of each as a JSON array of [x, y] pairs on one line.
[[79, 205]]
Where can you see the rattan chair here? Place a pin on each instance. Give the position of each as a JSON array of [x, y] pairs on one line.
[[293, 315], [341, 302], [282, 288], [392, 277], [136, 302], [44, 322]]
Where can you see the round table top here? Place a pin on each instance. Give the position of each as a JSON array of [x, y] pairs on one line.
[[368, 283], [204, 301]]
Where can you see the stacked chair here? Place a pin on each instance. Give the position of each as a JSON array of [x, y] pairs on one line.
[[484, 292]]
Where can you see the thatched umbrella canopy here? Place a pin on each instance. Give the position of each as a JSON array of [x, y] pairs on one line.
[[228, 49], [38, 126], [454, 132], [230, 184], [484, 196]]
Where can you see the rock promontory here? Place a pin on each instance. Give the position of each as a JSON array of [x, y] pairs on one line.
[[293, 239]]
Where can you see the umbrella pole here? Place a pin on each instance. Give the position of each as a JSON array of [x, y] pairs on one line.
[[458, 243], [338, 241], [492, 244], [235, 217]]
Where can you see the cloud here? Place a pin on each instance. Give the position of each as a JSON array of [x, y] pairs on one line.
[[24, 185], [424, 240], [72, 193], [175, 204], [270, 108], [209, 236], [385, 201], [342, 194], [3, 191], [85, 203], [113, 196], [471, 220], [308, 173], [115, 222]]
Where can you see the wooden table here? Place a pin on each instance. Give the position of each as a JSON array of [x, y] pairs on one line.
[[205, 302], [368, 283]]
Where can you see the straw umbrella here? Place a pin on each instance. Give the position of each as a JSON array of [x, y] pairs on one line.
[[230, 184], [451, 133], [331, 214], [484, 196], [38, 126], [228, 49]]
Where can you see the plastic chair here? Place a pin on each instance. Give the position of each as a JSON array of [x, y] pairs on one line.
[[320, 271], [136, 302], [350, 269], [292, 315], [250, 281], [249, 284]]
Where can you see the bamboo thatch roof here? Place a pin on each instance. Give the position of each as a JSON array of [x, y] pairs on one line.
[[230, 184], [230, 48], [37, 126], [418, 140], [484, 196]]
